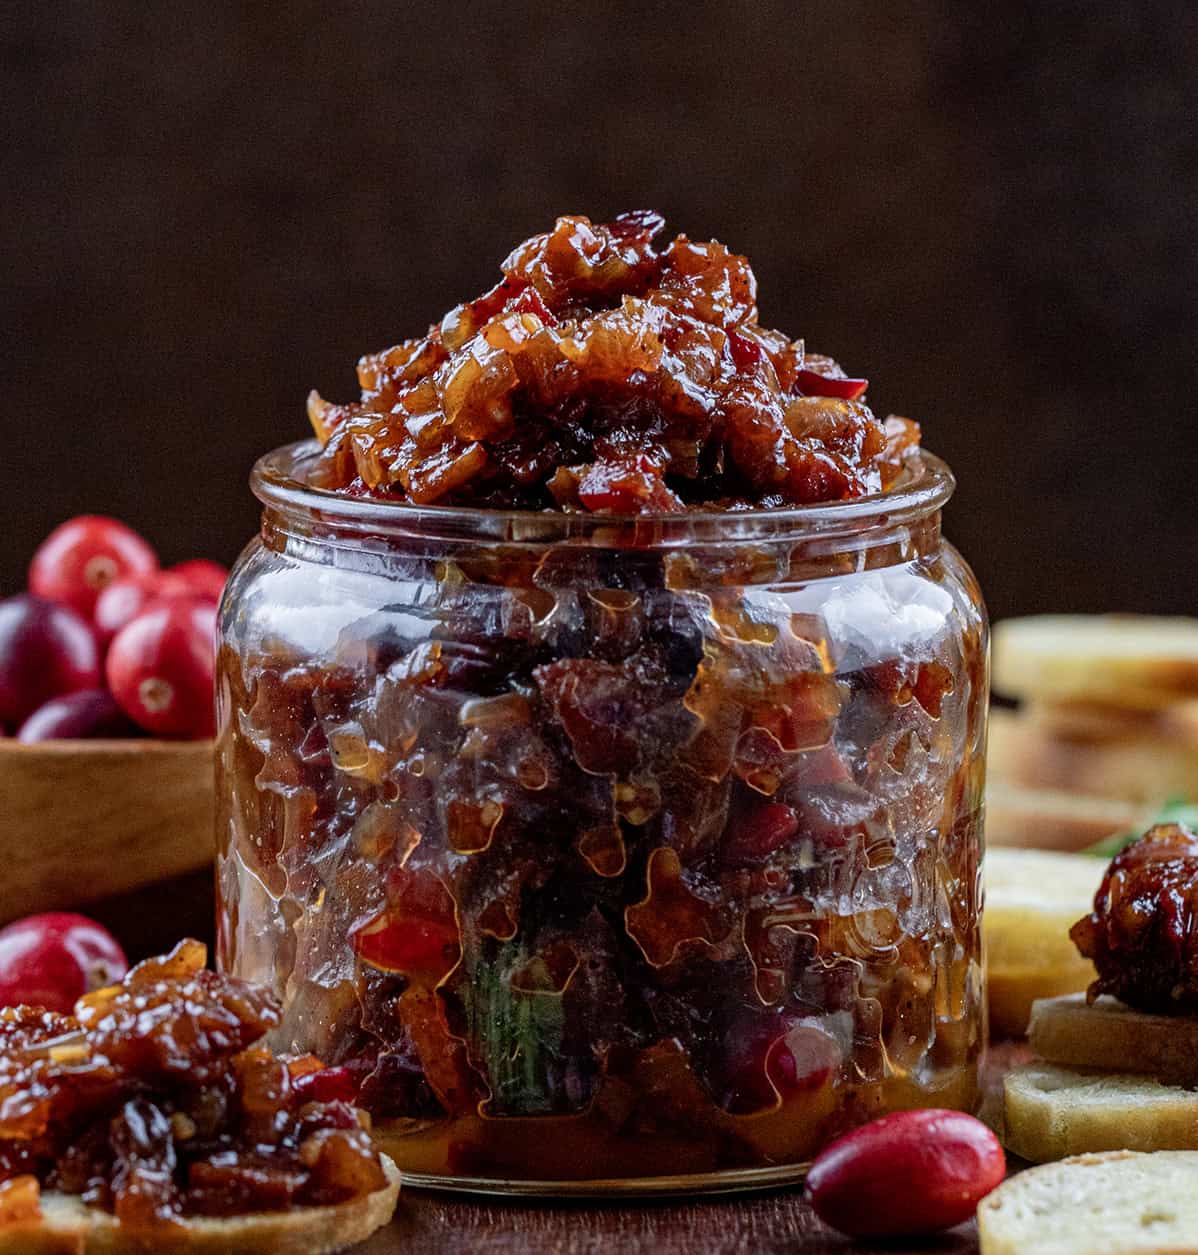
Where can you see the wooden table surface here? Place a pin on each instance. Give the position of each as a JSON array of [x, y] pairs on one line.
[[428, 1223], [761, 1224]]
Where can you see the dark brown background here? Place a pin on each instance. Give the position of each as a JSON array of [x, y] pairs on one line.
[[988, 209]]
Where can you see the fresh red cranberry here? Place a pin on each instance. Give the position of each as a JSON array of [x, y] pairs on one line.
[[124, 599], [754, 835], [907, 1173], [45, 650], [772, 1054], [81, 557], [87, 713], [205, 577], [51, 960], [813, 385], [161, 667]]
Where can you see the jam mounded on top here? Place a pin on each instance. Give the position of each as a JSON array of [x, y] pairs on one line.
[[1143, 932], [606, 374], [154, 1102]]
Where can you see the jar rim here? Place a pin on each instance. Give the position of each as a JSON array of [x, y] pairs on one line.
[[922, 490]]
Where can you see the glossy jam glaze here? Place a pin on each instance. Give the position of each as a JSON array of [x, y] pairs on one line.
[[609, 848], [1140, 934], [605, 373]]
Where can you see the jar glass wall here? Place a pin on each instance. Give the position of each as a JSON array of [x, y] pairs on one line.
[[600, 849]]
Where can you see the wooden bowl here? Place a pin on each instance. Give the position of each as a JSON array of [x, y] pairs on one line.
[[83, 820]]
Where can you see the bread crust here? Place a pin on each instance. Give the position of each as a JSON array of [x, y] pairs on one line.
[[69, 1227]]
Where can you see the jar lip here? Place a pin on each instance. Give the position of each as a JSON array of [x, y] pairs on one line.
[[276, 481]]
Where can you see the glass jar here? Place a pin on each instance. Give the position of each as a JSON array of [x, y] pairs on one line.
[[601, 851]]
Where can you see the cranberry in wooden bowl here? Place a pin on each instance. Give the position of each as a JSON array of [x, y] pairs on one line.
[[601, 734]]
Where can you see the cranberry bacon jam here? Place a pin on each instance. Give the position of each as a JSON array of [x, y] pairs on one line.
[[586, 844], [605, 374], [1142, 935], [155, 1101]]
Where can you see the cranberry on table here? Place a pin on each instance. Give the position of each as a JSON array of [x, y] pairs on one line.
[[86, 713], [124, 599], [160, 669], [203, 576], [81, 557], [52, 960], [45, 650], [907, 1173]]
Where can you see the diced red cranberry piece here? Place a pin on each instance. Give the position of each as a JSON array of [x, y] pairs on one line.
[[773, 1054], [80, 558], [753, 836], [637, 224], [416, 933], [825, 765], [627, 485], [530, 302], [338, 1084], [745, 352], [51, 960], [407, 944], [813, 385], [45, 650], [836, 816]]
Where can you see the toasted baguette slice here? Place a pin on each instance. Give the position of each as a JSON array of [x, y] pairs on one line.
[[68, 1225], [1050, 1112], [1033, 897], [1114, 1204], [1026, 752], [1126, 660], [1053, 819], [1096, 722], [1111, 1036]]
